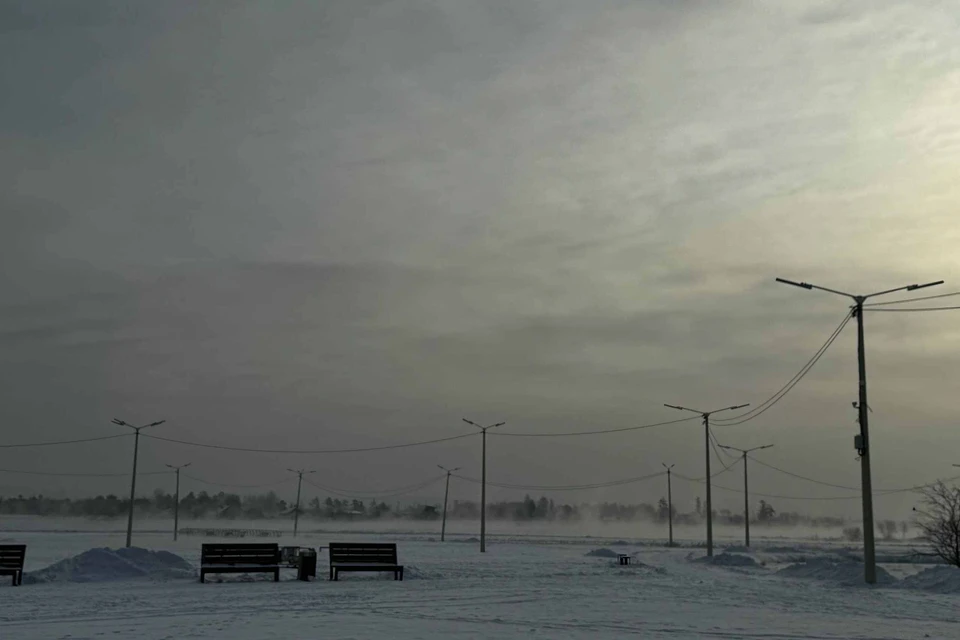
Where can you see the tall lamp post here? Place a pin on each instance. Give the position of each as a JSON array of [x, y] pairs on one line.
[[706, 430], [296, 509], [176, 499], [746, 489], [669, 501], [862, 441], [446, 493], [133, 476], [483, 483]]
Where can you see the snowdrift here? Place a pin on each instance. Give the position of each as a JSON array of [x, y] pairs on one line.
[[939, 579], [846, 571], [728, 560], [602, 553], [105, 565]]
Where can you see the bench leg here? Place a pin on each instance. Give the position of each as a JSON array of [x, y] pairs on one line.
[[201, 576], [276, 575]]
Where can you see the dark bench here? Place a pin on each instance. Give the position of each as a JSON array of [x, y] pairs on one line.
[[624, 559], [240, 558], [364, 556], [11, 561]]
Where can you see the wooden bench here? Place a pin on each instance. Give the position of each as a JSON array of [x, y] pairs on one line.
[[364, 556], [624, 559], [11, 561], [240, 558]]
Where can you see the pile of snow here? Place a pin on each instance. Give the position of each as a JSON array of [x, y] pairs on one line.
[[940, 579], [728, 560], [103, 565], [843, 570], [602, 553]]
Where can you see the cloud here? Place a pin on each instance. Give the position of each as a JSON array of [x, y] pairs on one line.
[[355, 221]]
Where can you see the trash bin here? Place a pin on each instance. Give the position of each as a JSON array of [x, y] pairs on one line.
[[307, 564]]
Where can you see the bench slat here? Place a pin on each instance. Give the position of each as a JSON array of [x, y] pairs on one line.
[[240, 558], [364, 556]]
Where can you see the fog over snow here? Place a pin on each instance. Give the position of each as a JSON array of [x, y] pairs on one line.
[[351, 223]]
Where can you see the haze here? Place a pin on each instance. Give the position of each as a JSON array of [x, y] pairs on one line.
[[352, 223]]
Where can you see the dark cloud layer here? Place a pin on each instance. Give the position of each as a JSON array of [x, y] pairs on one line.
[[349, 223]]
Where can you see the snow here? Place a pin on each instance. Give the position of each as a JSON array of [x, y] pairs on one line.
[[523, 586], [728, 560], [103, 565], [602, 553], [939, 579]]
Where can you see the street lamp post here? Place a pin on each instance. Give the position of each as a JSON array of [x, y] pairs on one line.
[[746, 489], [862, 442], [669, 502], [706, 430], [483, 483], [296, 509], [446, 493], [176, 499], [133, 476]]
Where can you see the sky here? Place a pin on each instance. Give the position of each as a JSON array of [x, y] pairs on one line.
[[352, 223]]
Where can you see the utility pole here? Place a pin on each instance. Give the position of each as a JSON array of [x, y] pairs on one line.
[[446, 492], [483, 483], [746, 489], [862, 441], [176, 500], [669, 502], [296, 509], [706, 431], [133, 476]]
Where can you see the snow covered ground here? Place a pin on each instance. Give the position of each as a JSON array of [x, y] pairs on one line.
[[522, 587]]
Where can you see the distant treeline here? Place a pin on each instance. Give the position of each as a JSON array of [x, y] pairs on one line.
[[232, 506]]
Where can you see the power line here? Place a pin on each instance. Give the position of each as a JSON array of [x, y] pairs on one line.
[[590, 433], [236, 486], [913, 309], [597, 485], [908, 300], [80, 475], [60, 442], [797, 475], [308, 451], [378, 495], [779, 395], [880, 493], [716, 451]]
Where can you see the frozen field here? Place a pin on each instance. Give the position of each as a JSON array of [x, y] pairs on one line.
[[522, 587]]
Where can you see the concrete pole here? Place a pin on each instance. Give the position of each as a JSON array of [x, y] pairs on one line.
[[446, 493], [176, 508], [133, 485], [706, 431], [869, 548], [746, 503], [483, 497], [670, 506]]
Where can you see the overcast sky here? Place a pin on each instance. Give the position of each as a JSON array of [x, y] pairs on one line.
[[351, 223]]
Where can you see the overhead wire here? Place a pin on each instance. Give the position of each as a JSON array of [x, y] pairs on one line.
[[377, 495], [309, 451], [63, 442], [797, 475], [236, 486], [913, 309], [593, 432], [877, 493], [596, 485], [762, 408], [908, 300], [716, 450], [82, 475]]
